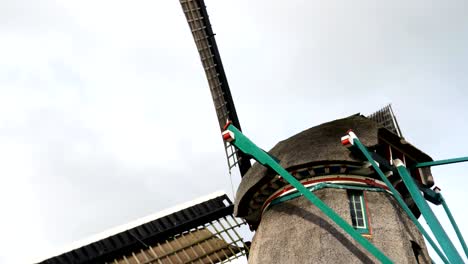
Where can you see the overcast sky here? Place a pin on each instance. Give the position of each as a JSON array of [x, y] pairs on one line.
[[106, 116]]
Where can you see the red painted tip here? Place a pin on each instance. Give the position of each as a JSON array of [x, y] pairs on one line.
[[346, 142], [227, 136]]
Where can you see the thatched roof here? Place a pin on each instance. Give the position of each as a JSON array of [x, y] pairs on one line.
[[319, 145]]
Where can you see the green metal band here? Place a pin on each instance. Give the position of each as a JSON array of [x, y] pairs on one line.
[[322, 186], [440, 162]]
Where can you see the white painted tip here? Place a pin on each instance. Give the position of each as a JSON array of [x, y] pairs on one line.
[[398, 163]]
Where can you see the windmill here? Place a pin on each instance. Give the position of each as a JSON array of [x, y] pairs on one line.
[[365, 186], [367, 181]]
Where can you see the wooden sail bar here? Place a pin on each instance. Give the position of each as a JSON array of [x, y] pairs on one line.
[[201, 231], [197, 18], [199, 245]]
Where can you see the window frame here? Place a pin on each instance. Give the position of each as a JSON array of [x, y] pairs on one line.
[[352, 195]]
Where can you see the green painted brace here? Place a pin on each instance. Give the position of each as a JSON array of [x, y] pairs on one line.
[[244, 144], [437, 199], [432, 221], [396, 194], [431, 195], [440, 162], [455, 226]]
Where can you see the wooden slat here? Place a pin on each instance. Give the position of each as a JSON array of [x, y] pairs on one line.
[[198, 246]]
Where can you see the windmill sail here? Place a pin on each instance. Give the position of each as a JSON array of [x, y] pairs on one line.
[[386, 118], [197, 18], [200, 231]]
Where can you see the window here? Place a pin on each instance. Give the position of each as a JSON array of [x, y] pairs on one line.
[[358, 212]]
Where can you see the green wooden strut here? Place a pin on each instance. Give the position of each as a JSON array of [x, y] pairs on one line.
[[440, 162], [431, 219], [455, 226], [248, 147], [442, 200], [397, 196]]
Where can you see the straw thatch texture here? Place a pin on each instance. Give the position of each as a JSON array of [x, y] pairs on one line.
[[297, 232], [317, 145]]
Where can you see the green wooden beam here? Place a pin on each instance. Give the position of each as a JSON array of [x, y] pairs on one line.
[[396, 194], [432, 221], [455, 226], [248, 147], [431, 195], [440, 162]]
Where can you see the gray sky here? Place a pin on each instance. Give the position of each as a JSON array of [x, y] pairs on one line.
[[105, 113]]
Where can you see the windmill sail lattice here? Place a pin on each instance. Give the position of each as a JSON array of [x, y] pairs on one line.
[[386, 118], [200, 231], [197, 18]]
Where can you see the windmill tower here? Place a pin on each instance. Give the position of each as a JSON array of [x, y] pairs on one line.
[[284, 220], [365, 203]]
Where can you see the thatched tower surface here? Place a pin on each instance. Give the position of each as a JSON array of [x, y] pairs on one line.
[[296, 231]]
